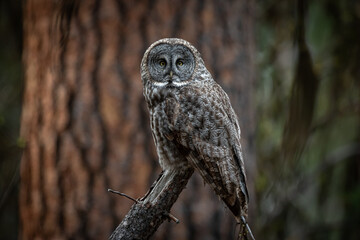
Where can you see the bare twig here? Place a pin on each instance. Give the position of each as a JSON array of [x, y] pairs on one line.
[[123, 195]]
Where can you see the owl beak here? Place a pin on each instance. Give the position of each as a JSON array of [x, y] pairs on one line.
[[171, 74]]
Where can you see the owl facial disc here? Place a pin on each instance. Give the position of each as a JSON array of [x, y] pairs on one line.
[[171, 65]]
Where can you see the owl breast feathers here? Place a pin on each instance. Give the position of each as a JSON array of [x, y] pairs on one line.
[[192, 120]]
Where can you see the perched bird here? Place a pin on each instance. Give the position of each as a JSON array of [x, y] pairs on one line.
[[193, 123]]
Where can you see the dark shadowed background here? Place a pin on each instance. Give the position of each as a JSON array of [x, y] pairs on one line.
[[69, 79]]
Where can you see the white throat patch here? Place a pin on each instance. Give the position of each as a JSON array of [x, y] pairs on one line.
[[160, 84], [175, 84]]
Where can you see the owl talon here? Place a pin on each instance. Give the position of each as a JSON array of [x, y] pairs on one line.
[[167, 214], [245, 230]]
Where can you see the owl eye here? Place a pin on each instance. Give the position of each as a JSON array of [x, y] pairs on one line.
[[179, 62], [162, 63]]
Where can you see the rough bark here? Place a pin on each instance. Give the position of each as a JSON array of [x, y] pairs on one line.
[[85, 122]]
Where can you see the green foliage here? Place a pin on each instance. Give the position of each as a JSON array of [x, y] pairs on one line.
[[10, 107], [316, 194]]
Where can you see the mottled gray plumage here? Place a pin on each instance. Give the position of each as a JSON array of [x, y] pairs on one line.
[[192, 120]]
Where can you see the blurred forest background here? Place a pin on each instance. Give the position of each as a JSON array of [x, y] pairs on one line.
[[307, 128]]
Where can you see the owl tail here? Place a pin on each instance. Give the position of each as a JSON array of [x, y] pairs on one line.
[[238, 206]]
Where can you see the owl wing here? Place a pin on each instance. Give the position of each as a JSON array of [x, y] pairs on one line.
[[206, 128]]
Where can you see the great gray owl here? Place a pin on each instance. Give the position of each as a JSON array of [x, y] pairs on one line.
[[192, 120]]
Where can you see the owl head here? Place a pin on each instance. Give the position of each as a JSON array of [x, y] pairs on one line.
[[171, 63]]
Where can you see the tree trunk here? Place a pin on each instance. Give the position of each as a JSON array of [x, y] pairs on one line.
[[85, 121]]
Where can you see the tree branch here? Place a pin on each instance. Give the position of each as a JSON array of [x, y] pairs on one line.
[[147, 214]]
